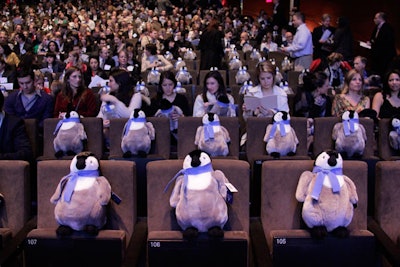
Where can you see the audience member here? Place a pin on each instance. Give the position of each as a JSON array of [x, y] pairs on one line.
[[8, 55], [343, 39], [352, 97], [387, 102], [301, 49], [360, 64], [166, 90], [75, 96], [383, 47], [29, 101], [211, 47], [213, 88], [7, 72], [14, 141], [152, 60], [266, 87], [322, 37], [267, 44]]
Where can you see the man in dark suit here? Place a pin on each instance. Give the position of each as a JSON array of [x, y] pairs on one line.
[[105, 61], [14, 141], [21, 47], [383, 48], [323, 46]]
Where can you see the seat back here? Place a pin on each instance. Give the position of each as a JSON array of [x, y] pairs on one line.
[[121, 176], [15, 187], [323, 135], [279, 208], [386, 198], [160, 146], [32, 131], [256, 147], [161, 217], [278, 56], [187, 133], [385, 151], [94, 131]]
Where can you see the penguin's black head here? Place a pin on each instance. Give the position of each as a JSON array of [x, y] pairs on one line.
[[81, 159], [198, 157], [210, 116], [333, 156], [136, 113]]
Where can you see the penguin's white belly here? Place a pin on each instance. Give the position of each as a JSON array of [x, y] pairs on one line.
[[67, 125], [199, 181], [136, 126], [327, 182], [84, 183]]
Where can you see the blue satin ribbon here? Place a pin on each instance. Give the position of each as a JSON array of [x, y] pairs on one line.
[[129, 122], [209, 130], [60, 122], [189, 171], [332, 175], [281, 125], [73, 178], [349, 126]]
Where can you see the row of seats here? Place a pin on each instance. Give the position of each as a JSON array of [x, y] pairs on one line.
[[286, 241], [255, 128]]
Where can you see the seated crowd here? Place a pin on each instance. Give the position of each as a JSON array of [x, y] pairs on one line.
[[92, 59]]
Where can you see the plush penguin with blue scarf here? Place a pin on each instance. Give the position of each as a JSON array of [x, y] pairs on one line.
[[137, 135], [70, 135], [166, 110], [212, 137], [81, 197], [280, 137], [349, 135], [328, 196], [199, 197], [394, 134]]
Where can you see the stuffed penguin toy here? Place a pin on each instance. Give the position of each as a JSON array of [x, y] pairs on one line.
[[255, 54], [247, 88], [235, 63], [166, 109], [179, 64], [280, 137], [199, 197], [153, 77], [349, 135], [183, 76], [144, 91], [179, 89], [242, 75], [137, 135], [233, 53], [328, 196], [223, 107], [212, 137], [394, 134], [81, 197], [70, 136], [189, 54]]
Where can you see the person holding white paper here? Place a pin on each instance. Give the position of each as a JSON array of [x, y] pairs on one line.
[[322, 37], [265, 89]]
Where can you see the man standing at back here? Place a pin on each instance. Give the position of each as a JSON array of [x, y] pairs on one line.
[[302, 48], [383, 47]]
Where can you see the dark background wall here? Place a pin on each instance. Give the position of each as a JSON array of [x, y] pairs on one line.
[[359, 12]]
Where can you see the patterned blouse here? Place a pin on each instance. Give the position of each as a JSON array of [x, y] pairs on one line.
[[341, 104]]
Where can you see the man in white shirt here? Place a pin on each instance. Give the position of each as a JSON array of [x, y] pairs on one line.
[[302, 47]]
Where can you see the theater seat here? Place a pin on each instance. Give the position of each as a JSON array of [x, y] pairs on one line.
[[166, 246], [385, 151], [187, 133], [288, 243], [257, 154], [384, 223], [160, 150], [15, 204], [44, 248], [94, 131]]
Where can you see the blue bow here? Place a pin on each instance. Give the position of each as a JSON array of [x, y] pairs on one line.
[[209, 130], [73, 178], [281, 125], [189, 171], [348, 126], [129, 122], [332, 174], [60, 122]]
